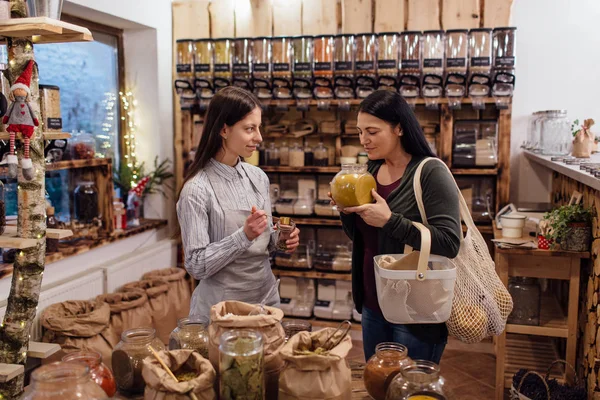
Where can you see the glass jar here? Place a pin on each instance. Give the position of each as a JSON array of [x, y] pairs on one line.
[[321, 155], [2, 209], [204, 67], [128, 356], [303, 57], [51, 244], [504, 45], [295, 326], [383, 366], [352, 186], [480, 55], [296, 156], [241, 63], [457, 55], [241, 365], [185, 58], [486, 145], [533, 133], [410, 63], [261, 67], [323, 51], [343, 66], [285, 227], [284, 154], [282, 67], [86, 202], [191, 333], [50, 108], [342, 261], [272, 154], [365, 60], [387, 60], [433, 63], [555, 133], [323, 260], [527, 297], [309, 156], [99, 372], [223, 60], [63, 381], [418, 380], [301, 259], [83, 146]]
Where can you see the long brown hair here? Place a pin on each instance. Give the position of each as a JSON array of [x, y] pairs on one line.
[[229, 106]]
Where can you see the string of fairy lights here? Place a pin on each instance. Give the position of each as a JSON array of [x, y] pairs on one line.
[[128, 104]]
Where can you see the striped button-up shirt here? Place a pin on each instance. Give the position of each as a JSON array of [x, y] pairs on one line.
[[202, 208]]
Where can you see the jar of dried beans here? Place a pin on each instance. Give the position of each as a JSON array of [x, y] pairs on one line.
[[387, 60], [343, 64], [323, 49], [50, 108], [365, 63]]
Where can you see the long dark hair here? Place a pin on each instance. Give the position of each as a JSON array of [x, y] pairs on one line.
[[229, 106], [393, 109]]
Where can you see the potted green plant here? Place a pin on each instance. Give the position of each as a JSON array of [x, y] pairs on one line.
[[570, 227]]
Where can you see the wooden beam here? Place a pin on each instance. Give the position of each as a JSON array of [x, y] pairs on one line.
[[191, 19], [253, 18], [504, 132], [497, 13], [460, 14], [357, 16], [222, 18], [319, 17], [389, 16], [423, 15], [287, 17]]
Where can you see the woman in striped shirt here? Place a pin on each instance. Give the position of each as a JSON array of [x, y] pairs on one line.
[[224, 209]]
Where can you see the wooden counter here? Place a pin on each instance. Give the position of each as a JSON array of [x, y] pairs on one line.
[[571, 171]]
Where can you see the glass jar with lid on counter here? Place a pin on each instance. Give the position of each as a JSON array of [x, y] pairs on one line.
[[191, 333], [241, 365], [555, 133], [383, 366], [417, 380]]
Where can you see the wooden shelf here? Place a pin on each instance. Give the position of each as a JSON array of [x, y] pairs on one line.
[[50, 233], [10, 371], [302, 170], [42, 350], [9, 240], [73, 164], [323, 323], [475, 171], [553, 322], [343, 276], [355, 102], [532, 353], [47, 135], [45, 30], [316, 221]]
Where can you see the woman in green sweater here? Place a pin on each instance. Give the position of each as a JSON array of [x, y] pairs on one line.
[[393, 139]]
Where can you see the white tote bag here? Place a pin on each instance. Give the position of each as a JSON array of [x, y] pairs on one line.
[[481, 302]]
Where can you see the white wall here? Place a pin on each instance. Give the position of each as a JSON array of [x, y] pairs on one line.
[[558, 58]]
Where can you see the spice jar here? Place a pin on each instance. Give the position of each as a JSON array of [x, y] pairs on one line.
[[63, 381], [128, 356], [285, 227], [433, 63], [241, 365], [321, 155], [410, 63], [191, 333], [261, 67], [457, 54], [383, 366], [365, 63], [527, 296], [343, 66], [284, 154], [2, 209], [387, 60], [302, 69], [51, 244], [185, 58], [83, 146], [352, 186], [309, 156], [272, 155], [203, 67], [50, 108], [480, 54], [282, 68], [86, 202], [241, 63], [323, 51], [418, 380], [99, 372], [296, 156], [223, 59]]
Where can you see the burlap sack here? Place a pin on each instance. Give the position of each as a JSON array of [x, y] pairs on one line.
[[161, 386], [78, 325], [268, 325], [163, 320], [180, 292], [309, 377], [128, 310]]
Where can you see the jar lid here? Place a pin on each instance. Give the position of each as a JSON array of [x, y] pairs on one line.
[[505, 28], [344, 35], [261, 38], [363, 154], [239, 39], [282, 37], [323, 36], [481, 30], [222, 39], [435, 31], [203, 40], [366, 34], [410, 33], [302, 37], [184, 40], [457, 31], [388, 33], [49, 87], [49, 210]]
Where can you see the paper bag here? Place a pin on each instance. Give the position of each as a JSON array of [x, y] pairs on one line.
[[128, 310], [583, 142], [180, 292]]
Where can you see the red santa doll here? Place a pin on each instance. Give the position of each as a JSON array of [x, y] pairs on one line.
[[21, 118]]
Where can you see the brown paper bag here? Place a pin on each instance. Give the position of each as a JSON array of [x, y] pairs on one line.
[[309, 377], [163, 320], [127, 311], [583, 142], [268, 325], [78, 325], [180, 292], [161, 386]]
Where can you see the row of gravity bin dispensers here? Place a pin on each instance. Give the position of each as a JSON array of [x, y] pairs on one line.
[[455, 63]]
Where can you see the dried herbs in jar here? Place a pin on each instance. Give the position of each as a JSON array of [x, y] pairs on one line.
[[241, 366]]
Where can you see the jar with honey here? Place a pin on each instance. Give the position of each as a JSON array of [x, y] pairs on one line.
[[352, 186], [386, 363]]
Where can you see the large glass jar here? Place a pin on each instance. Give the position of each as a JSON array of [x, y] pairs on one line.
[[203, 67], [284, 154], [410, 63], [241, 62], [2, 209], [383, 366], [273, 156], [419, 380], [86, 202], [192, 334], [50, 108], [128, 356], [457, 56], [527, 297], [83, 146], [282, 67], [223, 57], [261, 67], [185, 58], [63, 381], [296, 156], [323, 51], [342, 261], [433, 63], [99, 372], [352, 186], [241, 365], [555, 133], [321, 155], [303, 57], [387, 60], [365, 63], [533, 133], [480, 55], [343, 65], [504, 48]]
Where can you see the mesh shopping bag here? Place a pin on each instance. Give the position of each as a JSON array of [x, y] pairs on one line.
[[481, 302]]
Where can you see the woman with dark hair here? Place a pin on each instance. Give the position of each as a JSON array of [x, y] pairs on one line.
[[224, 209], [393, 139]]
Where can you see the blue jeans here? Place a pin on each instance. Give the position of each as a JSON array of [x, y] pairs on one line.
[[377, 330]]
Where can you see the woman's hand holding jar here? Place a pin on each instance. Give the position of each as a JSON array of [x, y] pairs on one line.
[[375, 214]]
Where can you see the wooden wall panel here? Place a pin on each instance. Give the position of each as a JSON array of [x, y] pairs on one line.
[[423, 15], [319, 17], [497, 13], [287, 17], [253, 18], [191, 19], [222, 18], [389, 16], [460, 14], [357, 16]]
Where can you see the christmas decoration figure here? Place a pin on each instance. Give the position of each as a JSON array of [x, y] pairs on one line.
[[21, 118], [134, 201]]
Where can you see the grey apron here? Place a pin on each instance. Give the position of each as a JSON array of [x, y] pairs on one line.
[[248, 278]]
